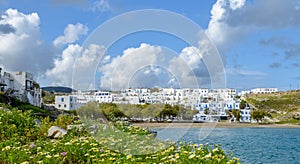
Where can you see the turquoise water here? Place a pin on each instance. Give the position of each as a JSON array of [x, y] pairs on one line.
[[251, 145]]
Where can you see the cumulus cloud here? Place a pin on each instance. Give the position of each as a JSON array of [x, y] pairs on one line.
[[61, 73], [119, 71], [189, 68], [6, 28], [232, 20], [153, 66], [76, 66], [218, 28], [22, 48], [71, 34]]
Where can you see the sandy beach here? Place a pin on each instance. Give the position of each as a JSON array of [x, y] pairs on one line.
[[214, 125]]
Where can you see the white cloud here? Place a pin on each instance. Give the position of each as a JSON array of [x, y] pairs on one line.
[[22, 48], [61, 74], [232, 20], [236, 4], [76, 67], [118, 73], [218, 29], [71, 34], [149, 66], [189, 68], [100, 5]]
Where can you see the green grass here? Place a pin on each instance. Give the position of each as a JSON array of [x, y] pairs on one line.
[[290, 121]]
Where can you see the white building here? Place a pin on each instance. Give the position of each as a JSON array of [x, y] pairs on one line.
[[68, 102], [103, 97], [264, 90], [245, 115], [21, 86]]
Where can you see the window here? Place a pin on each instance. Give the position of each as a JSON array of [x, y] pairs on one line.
[[62, 99], [59, 105], [65, 105]]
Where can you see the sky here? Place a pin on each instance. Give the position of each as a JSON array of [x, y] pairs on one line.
[[115, 44]]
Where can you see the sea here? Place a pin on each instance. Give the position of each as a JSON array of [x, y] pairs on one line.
[[250, 145]]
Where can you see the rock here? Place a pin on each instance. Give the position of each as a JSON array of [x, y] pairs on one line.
[[296, 116], [5, 109], [56, 132], [38, 122], [153, 133]]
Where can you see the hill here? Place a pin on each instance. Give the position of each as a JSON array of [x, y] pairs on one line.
[[284, 107], [58, 89]]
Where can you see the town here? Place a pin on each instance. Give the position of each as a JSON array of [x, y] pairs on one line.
[[211, 104]]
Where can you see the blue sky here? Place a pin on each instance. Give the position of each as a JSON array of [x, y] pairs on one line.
[[258, 41]]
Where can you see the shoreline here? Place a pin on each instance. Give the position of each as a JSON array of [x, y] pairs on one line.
[[213, 125]]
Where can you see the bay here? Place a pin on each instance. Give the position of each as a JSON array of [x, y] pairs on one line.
[[251, 145]]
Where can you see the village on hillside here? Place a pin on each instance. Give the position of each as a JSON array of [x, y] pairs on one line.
[[211, 104]]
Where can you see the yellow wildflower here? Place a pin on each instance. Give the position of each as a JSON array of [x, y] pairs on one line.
[[207, 156], [192, 156], [129, 156], [25, 162], [48, 156]]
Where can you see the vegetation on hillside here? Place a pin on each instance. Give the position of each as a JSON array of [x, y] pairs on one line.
[[283, 107], [147, 112], [10, 103]]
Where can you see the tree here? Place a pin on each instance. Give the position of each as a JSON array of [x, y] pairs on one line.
[[236, 113], [243, 104], [206, 111], [258, 115]]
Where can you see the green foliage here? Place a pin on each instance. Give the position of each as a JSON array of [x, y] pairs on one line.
[[94, 110], [243, 104], [23, 141], [110, 111], [17, 126], [169, 111], [280, 105], [258, 115], [236, 113], [48, 98], [206, 111]]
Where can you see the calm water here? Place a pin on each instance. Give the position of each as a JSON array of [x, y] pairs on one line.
[[251, 145]]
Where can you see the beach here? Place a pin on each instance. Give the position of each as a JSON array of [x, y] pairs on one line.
[[214, 125]]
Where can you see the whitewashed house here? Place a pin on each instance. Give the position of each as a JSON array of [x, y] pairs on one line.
[[103, 97], [264, 90], [21, 86], [67, 102], [245, 115]]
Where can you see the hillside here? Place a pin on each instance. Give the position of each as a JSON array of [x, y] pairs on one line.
[[58, 89], [284, 107], [45, 111]]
